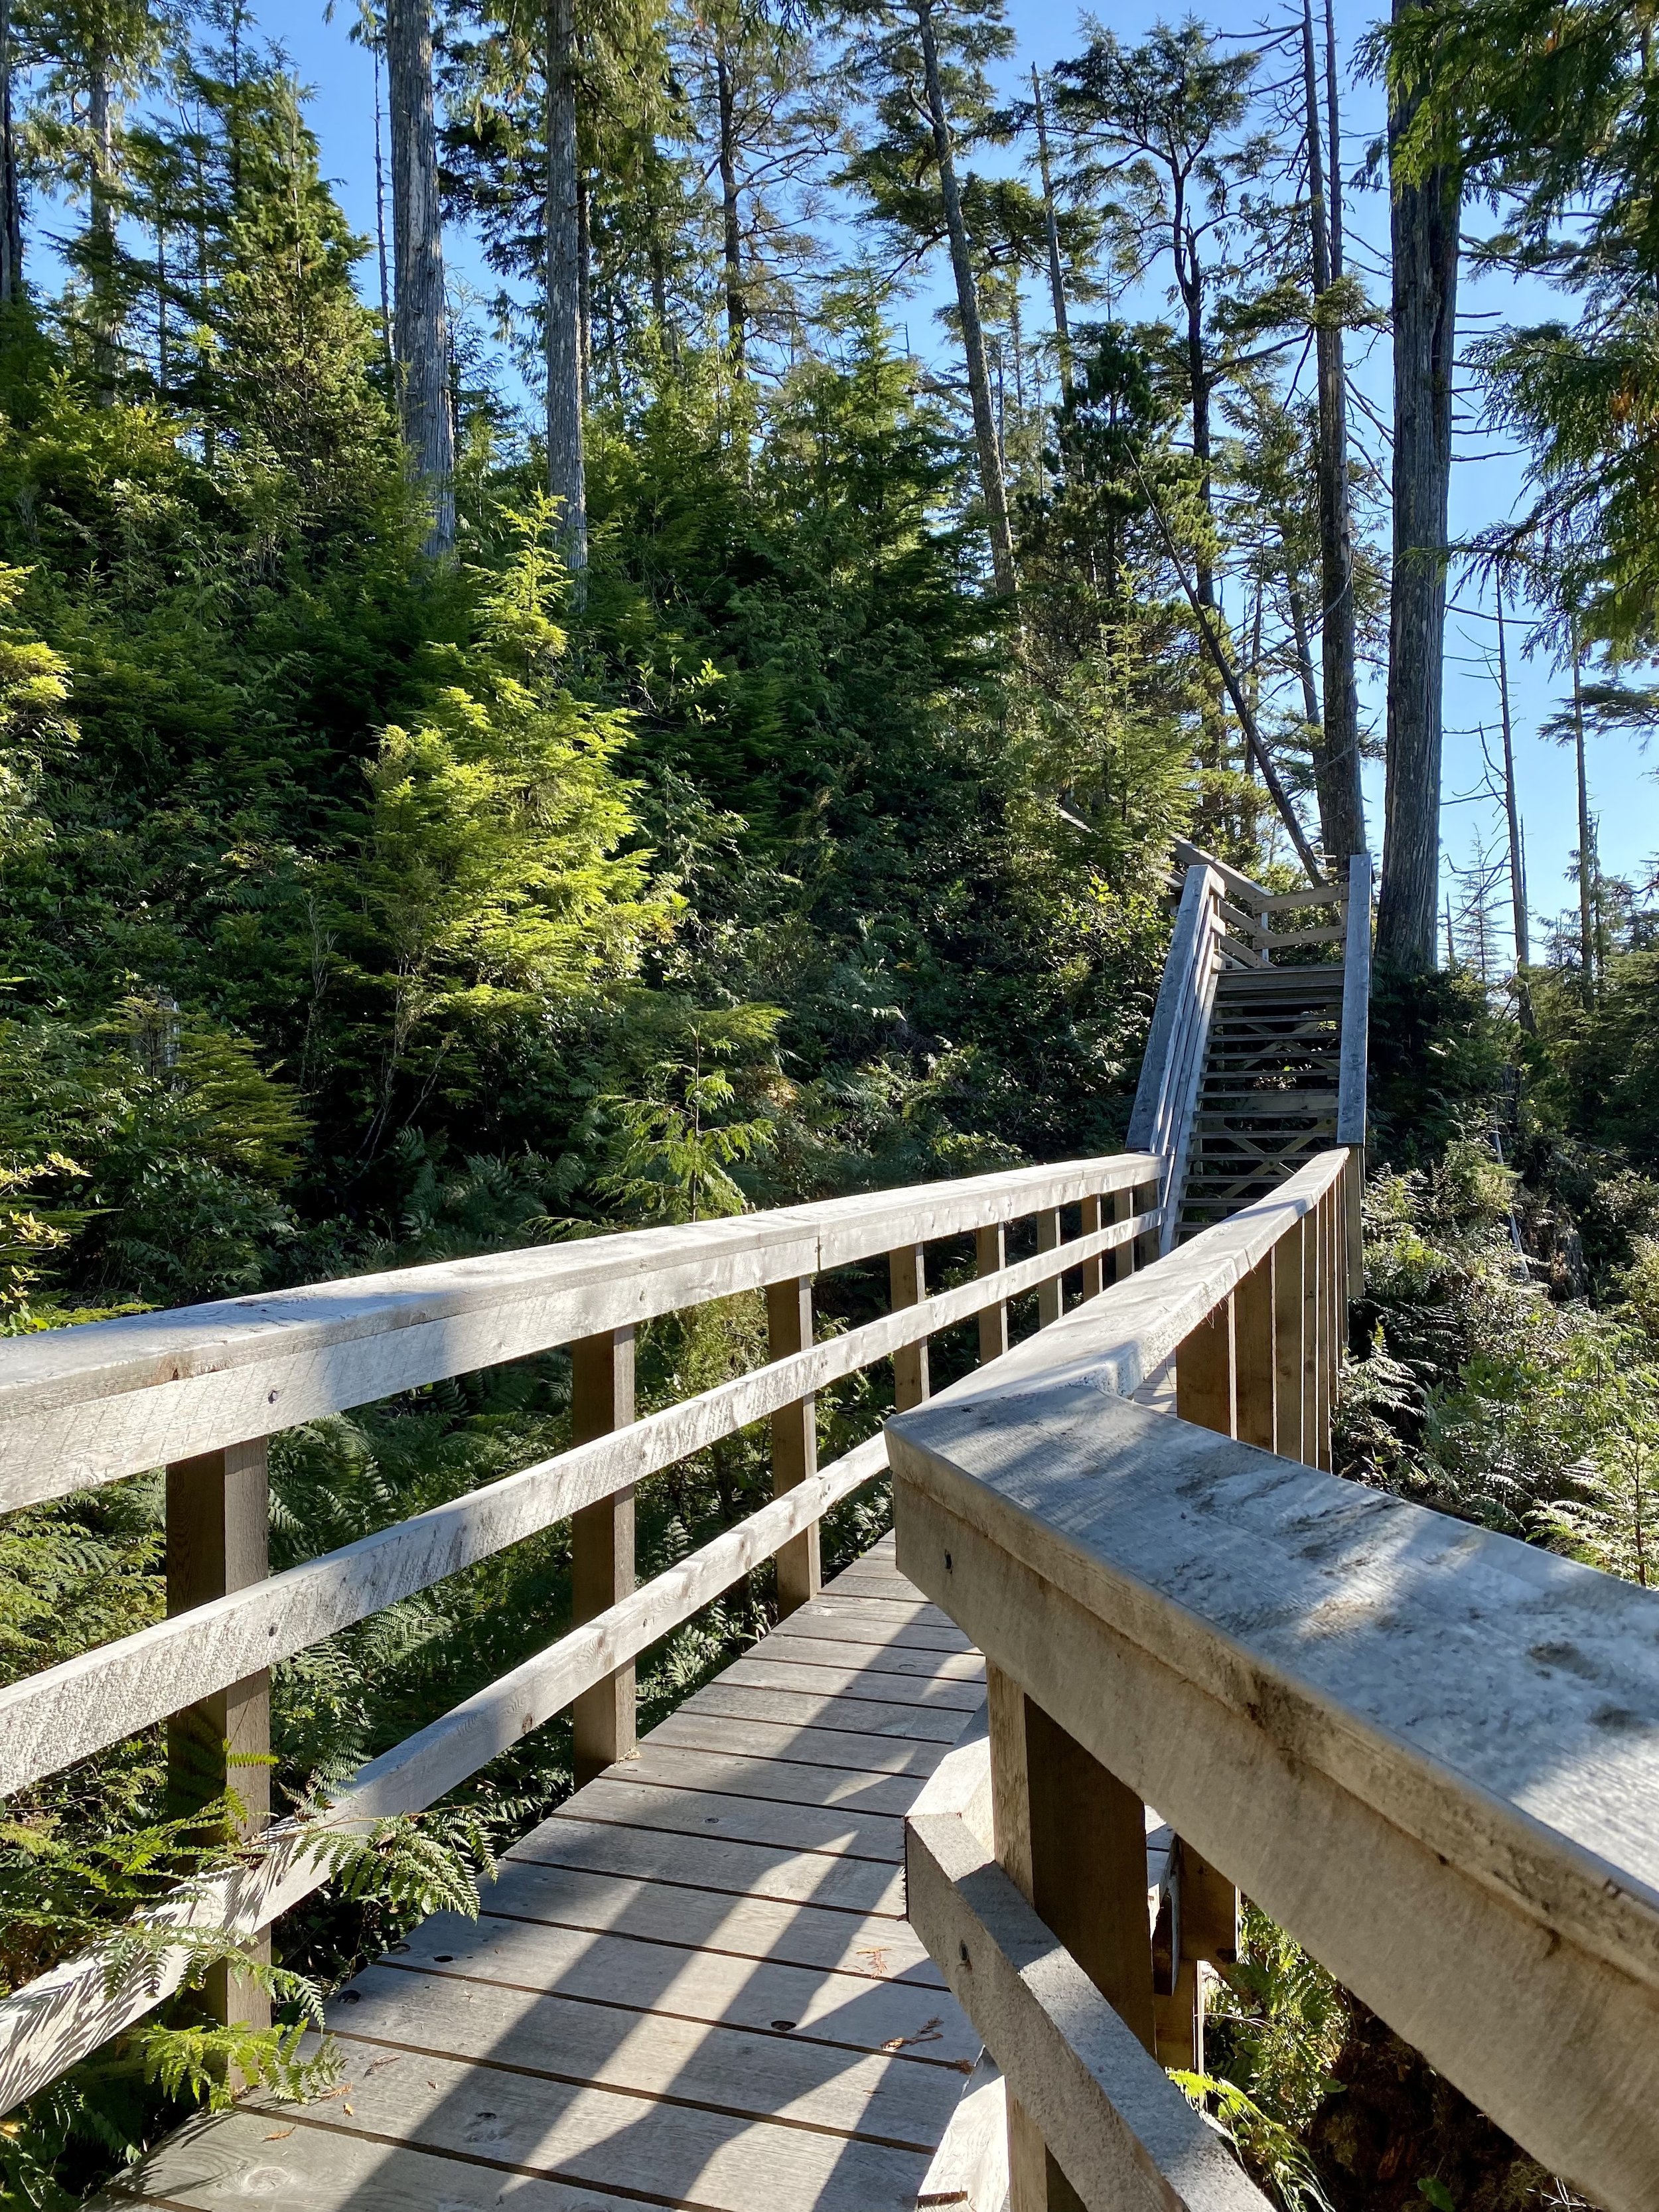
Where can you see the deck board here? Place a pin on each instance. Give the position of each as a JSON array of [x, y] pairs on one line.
[[692, 1987]]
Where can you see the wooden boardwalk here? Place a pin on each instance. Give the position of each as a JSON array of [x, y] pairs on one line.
[[693, 1987]]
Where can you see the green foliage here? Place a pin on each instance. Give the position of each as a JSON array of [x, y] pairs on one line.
[[1273, 2031]]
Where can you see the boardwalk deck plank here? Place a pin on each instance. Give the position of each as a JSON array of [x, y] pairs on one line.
[[692, 1987]]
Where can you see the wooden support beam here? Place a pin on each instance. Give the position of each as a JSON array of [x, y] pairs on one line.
[[1124, 1259], [1051, 1297], [1289, 1262], [991, 1254], [1323, 1223], [907, 1277], [218, 1539], [794, 1439], [1206, 1388], [602, 1545], [1091, 1218], [1073, 1841], [1255, 1377], [1311, 1322]]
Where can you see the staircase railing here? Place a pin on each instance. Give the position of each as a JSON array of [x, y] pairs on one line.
[[1428, 1751], [1226, 921], [201, 1389]]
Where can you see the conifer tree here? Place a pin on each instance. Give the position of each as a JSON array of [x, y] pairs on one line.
[[420, 315]]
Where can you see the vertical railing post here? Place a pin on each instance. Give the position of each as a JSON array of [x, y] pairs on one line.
[[1073, 1839], [907, 1279], [1324, 1255], [1288, 1320], [1122, 1257], [990, 1257], [602, 1545], [794, 1439], [218, 1539], [1050, 1294], [1255, 1371], [1091, 1218], [1206, 1371]]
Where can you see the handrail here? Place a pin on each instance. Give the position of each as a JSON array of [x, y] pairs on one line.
[[198, 1380], [1431, 1752], [1172, 1065], [90, 1404]]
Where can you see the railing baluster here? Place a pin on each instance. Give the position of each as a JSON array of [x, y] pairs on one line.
[[218, 1539], [602, 1545], [1205, 1373], [991, 1254], [907, 1279], [1072, 1838], [1255, 1375], [1090, 1217], [1310, 1316], [1289, 1358], [1324, 1250], [1051, 1294], [794, 1438]]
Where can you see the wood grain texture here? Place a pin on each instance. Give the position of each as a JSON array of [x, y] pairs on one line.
[[1431, 1752]]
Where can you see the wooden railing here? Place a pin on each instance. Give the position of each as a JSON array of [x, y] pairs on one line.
[[1258, 924], [1223, 919], [201, 1389], [1429, 1753]]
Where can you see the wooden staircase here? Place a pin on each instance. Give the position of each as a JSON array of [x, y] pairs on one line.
[[1256, 1059], [1268, 1100]]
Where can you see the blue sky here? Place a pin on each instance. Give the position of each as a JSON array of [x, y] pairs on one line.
[[1486, 484]]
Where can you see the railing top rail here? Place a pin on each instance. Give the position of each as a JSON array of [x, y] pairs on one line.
[[1117, 1342], [88, 1404], [1429, 1751], [1245, 889]]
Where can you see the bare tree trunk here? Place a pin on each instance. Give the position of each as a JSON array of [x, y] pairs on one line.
[[420, 316], [1341, 800], [973, 337], [1586, 832], [1425, 229], [1051, 225], [731, 216], [11, 213], [379, 235], [567, 476], [584, 285], [100, 227], [1512, 812]]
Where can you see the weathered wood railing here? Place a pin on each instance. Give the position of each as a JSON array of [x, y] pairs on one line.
[[200, 1390], [1256, 924], [1432, 1754]]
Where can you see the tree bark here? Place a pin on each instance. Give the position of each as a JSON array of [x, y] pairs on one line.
[[1586, 833], [420, 316], [567, 476], [11, 213], [973, 336], [1512, 814], [1341, 800], [731, 214], [100, 225], [1423, 223], [1051, 226]]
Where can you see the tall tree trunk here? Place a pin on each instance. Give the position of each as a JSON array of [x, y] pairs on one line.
[[973, 336], [731, 214], [1423, 224], [1586, 832], [419, 318], [384, 265], [100, 226], [11, 213], [1341, 800], [1051, 226], [1512, 815], [584, 286], [567, 476]]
